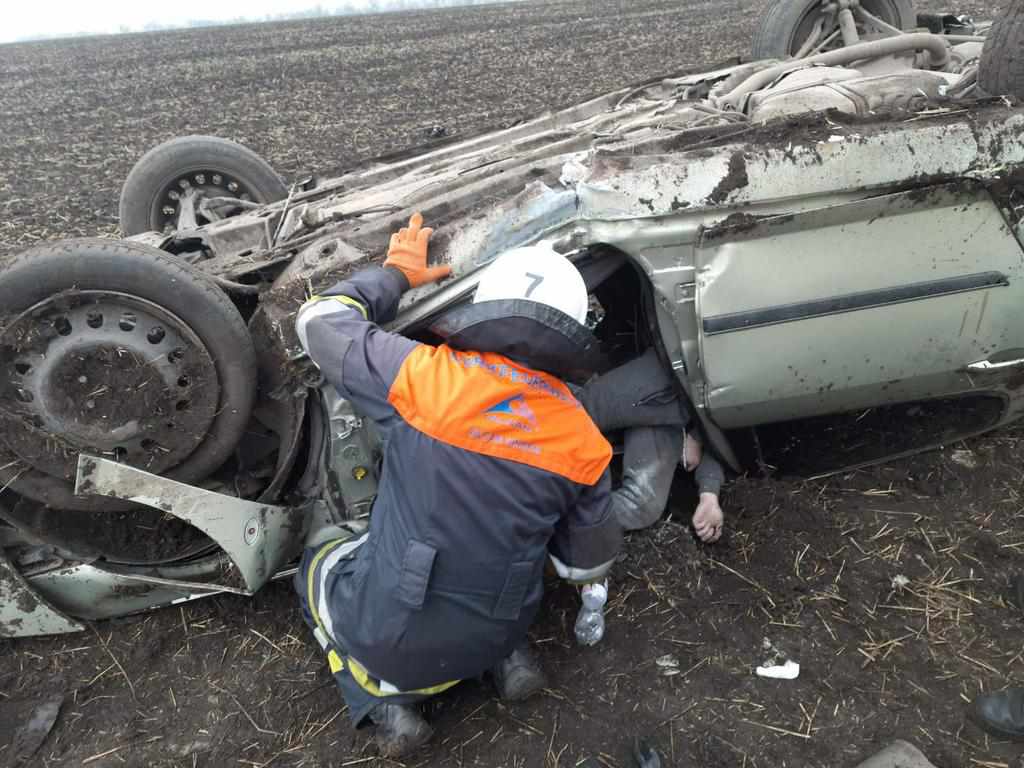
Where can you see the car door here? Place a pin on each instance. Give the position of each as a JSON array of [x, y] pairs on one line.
[[885, 300]]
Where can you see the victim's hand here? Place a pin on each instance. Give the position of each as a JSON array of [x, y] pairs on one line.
[[709, 519]]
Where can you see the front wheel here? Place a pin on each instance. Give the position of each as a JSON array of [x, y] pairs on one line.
[[120, 350], [798, 28], [195, 180]]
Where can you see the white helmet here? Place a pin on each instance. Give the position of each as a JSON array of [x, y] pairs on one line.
[[536, 273]]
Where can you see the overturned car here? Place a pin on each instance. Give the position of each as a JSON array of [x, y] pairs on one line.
[[823, 245]]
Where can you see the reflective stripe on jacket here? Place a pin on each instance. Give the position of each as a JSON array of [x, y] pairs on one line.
[[488, 466]]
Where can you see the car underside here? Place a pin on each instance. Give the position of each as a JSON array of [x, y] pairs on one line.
[[819, 247]]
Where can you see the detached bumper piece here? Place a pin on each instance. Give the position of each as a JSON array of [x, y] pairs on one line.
[[257, 538], [23, 612]]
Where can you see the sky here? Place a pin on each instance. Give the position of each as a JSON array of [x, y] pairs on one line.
[[58, 17]]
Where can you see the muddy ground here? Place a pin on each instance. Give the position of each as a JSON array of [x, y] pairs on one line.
[[809, 565]]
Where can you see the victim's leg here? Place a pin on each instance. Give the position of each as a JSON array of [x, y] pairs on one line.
[[650, 461]]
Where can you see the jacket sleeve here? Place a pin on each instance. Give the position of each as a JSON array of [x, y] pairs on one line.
[[340, 332], [709, 474], [588, 539]]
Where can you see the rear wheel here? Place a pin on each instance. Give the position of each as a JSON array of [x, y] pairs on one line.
[[797, 28], [1001, 69], [119, 350], [192, 181]]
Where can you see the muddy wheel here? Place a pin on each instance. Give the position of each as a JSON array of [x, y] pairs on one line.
[[116, 349], [195, 180], [1001, 69], [797, 28]]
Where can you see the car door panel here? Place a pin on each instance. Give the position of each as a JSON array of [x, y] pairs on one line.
[[883, 300]]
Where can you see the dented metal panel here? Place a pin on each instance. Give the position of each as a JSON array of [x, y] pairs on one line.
[[883, 300], [257, 537], [543, 186], [92, 592], [840, 159]]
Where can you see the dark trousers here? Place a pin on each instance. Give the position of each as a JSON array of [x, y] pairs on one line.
[[362, 692], [648, 466]]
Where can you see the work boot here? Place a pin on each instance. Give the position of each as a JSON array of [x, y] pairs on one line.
[[519, 676], [1001, 714], [401, 729]]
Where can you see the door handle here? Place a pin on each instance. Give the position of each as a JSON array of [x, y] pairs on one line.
[[987, 366]]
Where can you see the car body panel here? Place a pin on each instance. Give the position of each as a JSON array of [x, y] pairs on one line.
[[257, 538], [882, 300], [91, 591], [24, 612], [633, 202]]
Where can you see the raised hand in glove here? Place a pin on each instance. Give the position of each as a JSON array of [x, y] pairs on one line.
[[408, 254]]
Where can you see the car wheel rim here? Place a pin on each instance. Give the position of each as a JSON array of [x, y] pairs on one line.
[[109, 374], [184, 201], [105, 373]]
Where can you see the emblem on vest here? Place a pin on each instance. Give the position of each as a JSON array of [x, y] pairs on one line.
[[514, 412]]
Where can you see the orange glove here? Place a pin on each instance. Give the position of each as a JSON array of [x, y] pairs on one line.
[[408, 254]]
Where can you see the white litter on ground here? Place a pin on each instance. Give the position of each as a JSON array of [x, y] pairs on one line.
[[773, 665], [669, 665], [788, 671]]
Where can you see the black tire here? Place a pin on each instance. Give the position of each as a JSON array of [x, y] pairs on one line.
[[178, 288], [787, 24], [1001, 69], [142, 196]]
